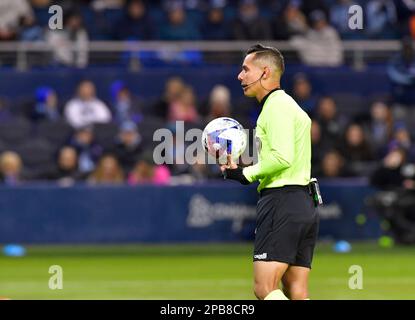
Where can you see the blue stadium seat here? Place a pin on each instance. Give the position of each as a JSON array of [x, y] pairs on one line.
[[37, 156], [105, 134], [55, 132], [15, 132]]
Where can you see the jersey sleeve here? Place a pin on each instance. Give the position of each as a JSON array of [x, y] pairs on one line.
[[279, 129]]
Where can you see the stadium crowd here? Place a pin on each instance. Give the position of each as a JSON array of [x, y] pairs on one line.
[[309, 25], [101, 142], [204, 19], [86, 139]]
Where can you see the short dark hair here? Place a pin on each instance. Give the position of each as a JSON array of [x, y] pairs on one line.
[[270, 52]]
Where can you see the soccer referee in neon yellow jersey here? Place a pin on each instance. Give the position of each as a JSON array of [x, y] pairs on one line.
[[287, 222]]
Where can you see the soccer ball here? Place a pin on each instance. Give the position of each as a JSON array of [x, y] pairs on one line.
[[223, 136]]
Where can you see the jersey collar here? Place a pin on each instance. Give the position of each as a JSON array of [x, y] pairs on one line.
[[268, 94]]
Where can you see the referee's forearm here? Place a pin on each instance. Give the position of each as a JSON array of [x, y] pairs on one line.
[[265, 168]]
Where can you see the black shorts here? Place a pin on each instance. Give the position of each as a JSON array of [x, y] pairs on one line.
[[286, 226]]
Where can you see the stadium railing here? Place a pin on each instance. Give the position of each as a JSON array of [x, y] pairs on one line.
[[24, 55]]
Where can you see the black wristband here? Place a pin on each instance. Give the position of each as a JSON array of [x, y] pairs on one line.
[[236, 174]]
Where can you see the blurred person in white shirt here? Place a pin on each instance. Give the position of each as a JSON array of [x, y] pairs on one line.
[[70, 45], [321, 46], [86, 109], [11, 14]]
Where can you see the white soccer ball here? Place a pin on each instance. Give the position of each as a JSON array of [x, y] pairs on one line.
[[223, 136]]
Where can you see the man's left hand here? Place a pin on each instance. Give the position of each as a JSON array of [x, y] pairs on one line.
[[232, 171]]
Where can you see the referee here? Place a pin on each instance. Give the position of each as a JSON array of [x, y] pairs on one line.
[[287, 222]]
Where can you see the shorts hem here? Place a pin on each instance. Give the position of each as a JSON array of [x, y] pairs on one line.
[[285, 260], [276, 259], [304, 265]]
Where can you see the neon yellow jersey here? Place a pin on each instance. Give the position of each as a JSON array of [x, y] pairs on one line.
[[283, 135]]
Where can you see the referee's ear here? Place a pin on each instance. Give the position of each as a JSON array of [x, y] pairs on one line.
[[267, 73]]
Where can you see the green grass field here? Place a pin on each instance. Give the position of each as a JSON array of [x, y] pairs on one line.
[[216, 271]]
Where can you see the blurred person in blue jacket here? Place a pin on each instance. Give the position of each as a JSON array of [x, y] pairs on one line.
[[46, 105], [136, 23], [339, 18], [249, 25], [125, 106], [88, 150], [401, 72], [215, 26], [178, 26], [381, 19]]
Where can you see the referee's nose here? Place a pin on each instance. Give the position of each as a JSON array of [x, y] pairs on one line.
[[240, 76]]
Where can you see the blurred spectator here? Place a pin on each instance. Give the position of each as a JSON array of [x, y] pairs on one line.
[[291, 22], [178, 26], [380, 126], [196, 5], [125, 106], [249, 25], [405, 14], [339, 18], [401, 72], [175, 152], [310, 6], [86, 108], [11, 168], [302, 93], [219, 103], [172, 90], [184, 107], [87, 149], [5, 113], [128, 146], [145, 172], [355, 147], [11, 13], [395, 202], [333, 166], [381, 19], [320, 146], [99, 5], [332, 123], [29, 30], [135, 24], [321, 45], [390, 174], [40, 3], [108, 172], [70, 45], [402, 139], [46, 105], [66, 172], [215, 27]]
